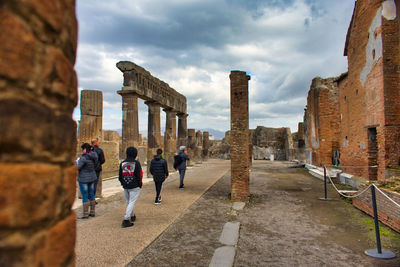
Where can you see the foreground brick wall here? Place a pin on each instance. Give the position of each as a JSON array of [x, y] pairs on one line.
[[239, 136], [369, 96], [388, 213], [322, 120], [38, 92]]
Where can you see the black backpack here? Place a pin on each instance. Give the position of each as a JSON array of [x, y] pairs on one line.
[[177, 161]]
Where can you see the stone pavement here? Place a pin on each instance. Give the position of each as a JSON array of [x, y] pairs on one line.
[[102, 242], [283, 224]]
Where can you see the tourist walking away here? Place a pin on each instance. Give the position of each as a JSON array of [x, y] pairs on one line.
[[159, 170], [180, 164], [98, 167], [130, 177], [86, 179]]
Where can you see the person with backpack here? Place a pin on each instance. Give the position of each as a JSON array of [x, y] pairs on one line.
[[130, 176], [159, 170], [86, 178], [180, 164], [98, 168]]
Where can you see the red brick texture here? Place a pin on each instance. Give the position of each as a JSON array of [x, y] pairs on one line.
[[38, 92], [239, 136], [322, 120], [388, 212], [372, 103]]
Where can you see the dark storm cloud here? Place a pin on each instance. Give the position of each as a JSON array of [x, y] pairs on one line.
[[192, 45]]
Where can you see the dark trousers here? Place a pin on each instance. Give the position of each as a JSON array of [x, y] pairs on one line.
[[181, 176], [158, 184], [95, 182]]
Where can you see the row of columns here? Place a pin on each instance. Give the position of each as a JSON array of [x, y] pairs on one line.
[[130, 128]]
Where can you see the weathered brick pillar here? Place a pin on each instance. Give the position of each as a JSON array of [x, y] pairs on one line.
[[91, 122], [182, 130], [239, 135], [130, 121], [191, 146], [199, 147], [170, 137], [38, 88], [153, 132], [206, 145]]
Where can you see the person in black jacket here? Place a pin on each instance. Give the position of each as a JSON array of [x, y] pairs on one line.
[[159, 170], [98, 168], [130, 176]]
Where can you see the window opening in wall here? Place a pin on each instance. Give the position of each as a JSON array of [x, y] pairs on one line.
[[372, 154]]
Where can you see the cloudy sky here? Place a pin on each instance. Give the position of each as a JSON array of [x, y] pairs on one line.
[[194, 44]]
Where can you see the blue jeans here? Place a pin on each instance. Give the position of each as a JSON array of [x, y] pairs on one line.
[[181, 176], [87, 191]]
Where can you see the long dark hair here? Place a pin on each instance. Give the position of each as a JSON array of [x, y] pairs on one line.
[[87, 147]]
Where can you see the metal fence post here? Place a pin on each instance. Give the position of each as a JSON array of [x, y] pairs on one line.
[[378, 253], [325, 187]]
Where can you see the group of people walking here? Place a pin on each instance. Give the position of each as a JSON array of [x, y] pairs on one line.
[[130, 176]]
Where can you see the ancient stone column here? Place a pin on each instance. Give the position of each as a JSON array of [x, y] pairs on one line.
[[182, 130], [153, 132], [199, 147], [91, 122], [239, 135], [130, 121], [170, 137], [206, 145], [38, 88], [191, 146]]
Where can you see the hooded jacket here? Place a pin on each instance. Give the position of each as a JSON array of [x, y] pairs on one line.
[[159, 168], [86, 167], [130, 172]]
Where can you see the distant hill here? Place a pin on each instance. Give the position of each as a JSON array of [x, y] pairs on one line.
[[218, 135]]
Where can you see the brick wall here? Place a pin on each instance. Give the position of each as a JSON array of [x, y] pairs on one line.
[[369, 95], [239, 136], [388, 212], [322, 120], [38, 92]]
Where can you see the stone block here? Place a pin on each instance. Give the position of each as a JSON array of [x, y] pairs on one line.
[[34, 131], [22, 185]]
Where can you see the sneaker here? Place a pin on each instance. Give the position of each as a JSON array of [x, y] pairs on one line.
[[159, 199], [181, 187], [133, 218], [157, 202], [126, 223]]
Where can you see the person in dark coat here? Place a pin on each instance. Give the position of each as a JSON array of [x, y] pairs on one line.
[[159, 170], [98, 168], [182, 166], [130, 176], [86, 178]]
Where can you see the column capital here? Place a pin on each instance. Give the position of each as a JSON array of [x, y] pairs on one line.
[[169, 110], [182, 115], [152, 103], [127, 93]]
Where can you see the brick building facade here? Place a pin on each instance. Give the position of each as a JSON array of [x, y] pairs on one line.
[[322, 121], [369, 96]]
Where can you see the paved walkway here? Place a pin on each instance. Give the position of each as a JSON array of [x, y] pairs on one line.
[[102, 242]]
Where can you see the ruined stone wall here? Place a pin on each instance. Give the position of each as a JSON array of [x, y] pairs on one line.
[[322, 121], [91, 122], [270, 141], [239, 136], [369, 96], [38, 93]]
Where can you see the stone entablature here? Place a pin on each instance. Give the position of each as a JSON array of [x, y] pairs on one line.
[[140, 81]]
